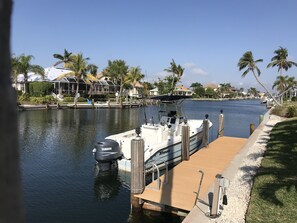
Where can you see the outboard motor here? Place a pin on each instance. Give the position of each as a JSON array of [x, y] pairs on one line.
[[106, 153]]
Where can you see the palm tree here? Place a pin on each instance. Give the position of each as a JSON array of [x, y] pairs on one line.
[[247, 62], [24, 67], [291, 83], [281, 85], [65, 59], [177, 72], [93, 69], [280, 60], [134, 76], [253, 91], [79, 68], [118, 71], [15, 70]]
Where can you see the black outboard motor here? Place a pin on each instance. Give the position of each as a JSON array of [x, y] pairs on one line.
[[107, 152]]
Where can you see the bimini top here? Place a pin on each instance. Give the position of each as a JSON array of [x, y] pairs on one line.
[[170, 98]]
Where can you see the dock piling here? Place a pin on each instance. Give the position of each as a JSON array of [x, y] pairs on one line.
[[205, 139], [252, 128], [137, 170], [221, 125], [185, 155], [260, 119]]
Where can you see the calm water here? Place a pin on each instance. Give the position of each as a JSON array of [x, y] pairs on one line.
[[60, 181]]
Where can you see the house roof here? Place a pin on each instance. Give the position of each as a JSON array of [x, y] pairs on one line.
[[211, 85], [182, 88]]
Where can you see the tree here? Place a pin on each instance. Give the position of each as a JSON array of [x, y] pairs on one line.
[[195, 85], [118, 71], [93, 69], [210, 93], [247, 62], [146, 88], [25, 66], [198, 89], [65, 58], [281, 85], [280, 60], [177, 72], [224, 89], [11, 209], [15, 70], [79, 68], [134, 76], [253, 91]]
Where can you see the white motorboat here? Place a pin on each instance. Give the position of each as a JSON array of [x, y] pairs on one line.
[[162, 140]]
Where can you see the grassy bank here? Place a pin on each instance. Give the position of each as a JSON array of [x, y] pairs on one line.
[[274, 193]]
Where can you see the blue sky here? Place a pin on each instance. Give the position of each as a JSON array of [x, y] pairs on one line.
[[205, 37]]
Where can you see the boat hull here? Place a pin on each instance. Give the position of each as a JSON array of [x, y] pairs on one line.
[[170, 155]]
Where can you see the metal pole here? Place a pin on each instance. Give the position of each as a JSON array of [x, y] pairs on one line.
[[205, 138], [185, 154], [137, 170], [221, 125]]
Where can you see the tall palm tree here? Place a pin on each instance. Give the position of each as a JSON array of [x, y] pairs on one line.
[[63, 59], [247, 62], [118, 71], [177, 72], [280, 60], [25, 66]]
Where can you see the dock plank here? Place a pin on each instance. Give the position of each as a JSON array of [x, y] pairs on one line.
[[183, 179]]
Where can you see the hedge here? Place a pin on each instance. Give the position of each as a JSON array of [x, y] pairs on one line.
[[39, 89]]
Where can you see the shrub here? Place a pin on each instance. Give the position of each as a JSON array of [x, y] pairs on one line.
[[37, 100], [292, 111], [81, 99], [68, 99], [38, 89], [24, 97], [294, 98], [50, 99], [280, 111]]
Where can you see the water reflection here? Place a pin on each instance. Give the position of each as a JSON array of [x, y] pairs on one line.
[[106, 184]]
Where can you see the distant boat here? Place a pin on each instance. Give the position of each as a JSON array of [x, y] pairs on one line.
[[162, 139]]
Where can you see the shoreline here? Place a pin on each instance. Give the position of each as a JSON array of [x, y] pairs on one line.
[[113, 105]]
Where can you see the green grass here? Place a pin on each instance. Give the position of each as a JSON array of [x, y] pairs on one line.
[[274, 193]]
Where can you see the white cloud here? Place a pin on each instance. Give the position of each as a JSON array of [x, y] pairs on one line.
[[193, 69]]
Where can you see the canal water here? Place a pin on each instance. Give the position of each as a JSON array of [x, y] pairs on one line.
[[59, 177]]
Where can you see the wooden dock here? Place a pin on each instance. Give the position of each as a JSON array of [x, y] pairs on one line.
[[183, 180]]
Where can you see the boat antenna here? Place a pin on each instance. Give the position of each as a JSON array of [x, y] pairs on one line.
[[144, 110]]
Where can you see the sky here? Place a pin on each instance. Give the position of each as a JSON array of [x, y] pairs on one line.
[[206, 37]]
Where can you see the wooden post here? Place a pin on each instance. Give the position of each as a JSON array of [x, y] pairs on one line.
[[205, 137], [221, 125], [252, 128], [185, 152], [137, 170]]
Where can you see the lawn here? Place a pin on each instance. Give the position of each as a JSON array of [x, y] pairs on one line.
[[274, 193]]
